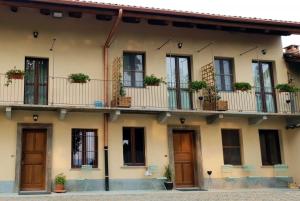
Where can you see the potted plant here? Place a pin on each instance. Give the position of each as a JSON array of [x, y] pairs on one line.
[[242, 86], [79, 78], [168, 175], [121, 100], [60, 181], [15, 74], [286, 88], [197, 85], [213, 102], [152, 80]]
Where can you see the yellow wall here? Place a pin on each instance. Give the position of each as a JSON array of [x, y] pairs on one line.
[[293, 142], [61, 160]]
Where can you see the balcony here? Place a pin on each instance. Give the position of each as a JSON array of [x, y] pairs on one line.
[[60, 92]]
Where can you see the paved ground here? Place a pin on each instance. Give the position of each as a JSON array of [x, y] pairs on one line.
[[212, 195]]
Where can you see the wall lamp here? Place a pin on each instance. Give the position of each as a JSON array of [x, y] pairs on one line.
[[182, 120], [35, 117], [179, 45], [35, 34]]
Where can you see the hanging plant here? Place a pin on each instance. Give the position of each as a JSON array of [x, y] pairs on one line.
[[287, 88], [197, 85], [152, 80], [242, 86], [13, 74], [79, 78]]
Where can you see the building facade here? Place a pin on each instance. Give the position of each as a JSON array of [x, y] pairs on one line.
[[88, 131]]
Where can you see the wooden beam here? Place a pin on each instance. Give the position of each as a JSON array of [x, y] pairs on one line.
[[214, 118], [163, 117], [257, 120], [62, 114], [113, 116], [8, 113]]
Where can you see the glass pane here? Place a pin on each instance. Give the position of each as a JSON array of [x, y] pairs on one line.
[[127, 79], [270, 147], [232, 156], [185, 99], [29, 81], [171, 79], [217, 67], [77, 148], [259, 103], [138, 62], [90, 148], [230, 138], [226, 67], [256, 76], [228, 83], [139, 80], [183, 71], [172, 99], [139, 145], [126, 146], [218, 83], [126, 64], [270, 103]]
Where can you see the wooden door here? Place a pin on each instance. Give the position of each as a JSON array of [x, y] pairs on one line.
[[36, 81], [33, 164], [184, 159]]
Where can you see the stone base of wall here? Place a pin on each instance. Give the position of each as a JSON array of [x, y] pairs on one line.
[[154, 184], [248, 182], [7, 186]]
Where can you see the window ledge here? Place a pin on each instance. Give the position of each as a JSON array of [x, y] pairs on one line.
[[133, 167], [267, 166]]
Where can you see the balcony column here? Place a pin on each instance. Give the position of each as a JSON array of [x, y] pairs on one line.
[[106, 100]]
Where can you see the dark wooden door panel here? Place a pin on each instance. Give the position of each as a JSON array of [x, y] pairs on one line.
[[33, 165], [184, 159]]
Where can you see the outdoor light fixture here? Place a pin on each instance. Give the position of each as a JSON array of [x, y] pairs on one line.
[[182, 120], [179, 45], [57, 14], [35, 117], [35, 34], [264, 51]]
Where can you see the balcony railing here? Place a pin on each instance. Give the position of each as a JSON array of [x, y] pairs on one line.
[[171, 96]]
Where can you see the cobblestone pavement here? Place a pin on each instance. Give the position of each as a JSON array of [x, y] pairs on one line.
[[213, 195]]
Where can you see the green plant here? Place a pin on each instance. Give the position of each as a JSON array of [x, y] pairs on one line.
[[287, 88], [122, 90], [168, 173], [79, 78], [152, 80], [60, 179], [242, 86], [197, 85], [13, 74]]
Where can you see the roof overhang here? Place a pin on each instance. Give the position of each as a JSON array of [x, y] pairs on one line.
[[133, 14]]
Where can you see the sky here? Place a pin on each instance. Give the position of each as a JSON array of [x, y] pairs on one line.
[[268, 9]]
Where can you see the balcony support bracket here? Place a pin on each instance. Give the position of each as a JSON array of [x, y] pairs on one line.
[[8, 112], [62, 114], [113, 116], [214, 118], [257, 120], [163, 117], [292, 122]]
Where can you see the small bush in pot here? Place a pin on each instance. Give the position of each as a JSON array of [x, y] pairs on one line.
[[14, 74], [242, 86], [287, 88], [152, 80], [168, 175], [198, 85], [60, 181], [79, 78]]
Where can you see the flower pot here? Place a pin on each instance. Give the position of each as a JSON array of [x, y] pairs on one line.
[[215, 106], [153, 84], [59, 188], [121, 102], [79, 81], [16, 76], [222, 105], [168, 185]]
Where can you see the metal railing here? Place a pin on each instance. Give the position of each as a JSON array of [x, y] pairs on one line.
[[169, 96]]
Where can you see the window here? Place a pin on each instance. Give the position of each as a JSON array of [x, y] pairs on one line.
[[269, 147], [133, 146], [224, 74], [84, 148], [134, 64], [231, 147]]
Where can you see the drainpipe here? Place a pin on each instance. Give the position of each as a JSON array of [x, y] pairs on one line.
[[106, 100]]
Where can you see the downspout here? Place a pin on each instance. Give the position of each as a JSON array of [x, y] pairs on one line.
[[106, 100]]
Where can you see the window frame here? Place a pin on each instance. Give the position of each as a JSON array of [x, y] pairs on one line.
[[132, 72], [222, 75], [85, 130], [279, 146], [233, 130], [133, 148]]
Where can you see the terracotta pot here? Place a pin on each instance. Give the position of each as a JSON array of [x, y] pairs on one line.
[[59, 187], [16, 76]]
